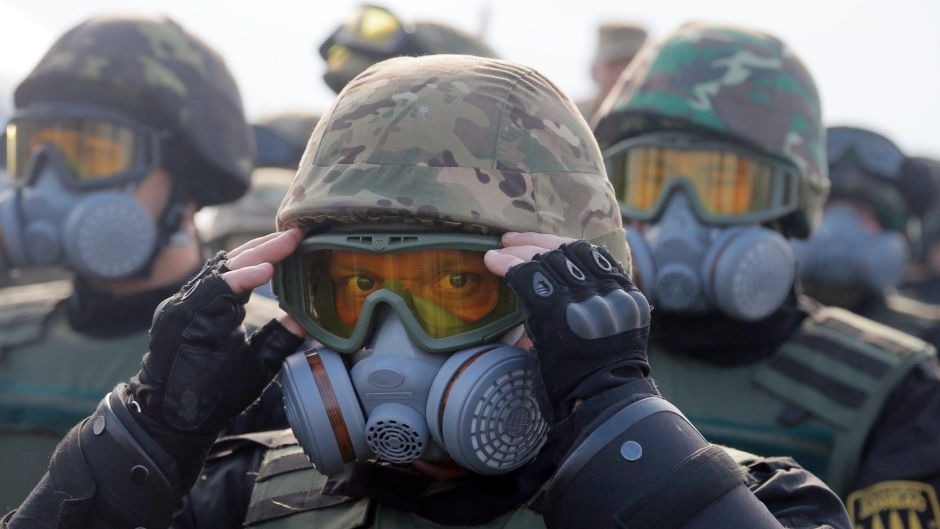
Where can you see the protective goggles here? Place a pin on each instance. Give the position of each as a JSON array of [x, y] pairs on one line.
[[436, 283], [372, 30], [872, 152], [725, 185], [98, 148]]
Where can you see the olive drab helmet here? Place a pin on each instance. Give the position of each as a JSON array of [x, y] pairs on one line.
[[374, 34], [158, 73], [466, 143], [734, 85]]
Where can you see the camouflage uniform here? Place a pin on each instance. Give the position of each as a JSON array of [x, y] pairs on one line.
[[64, 345], [836, 391], [488, 167]]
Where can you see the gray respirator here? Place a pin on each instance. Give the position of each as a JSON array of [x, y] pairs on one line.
[[684, 266], [101, 234], [843, 254], [395, 402]]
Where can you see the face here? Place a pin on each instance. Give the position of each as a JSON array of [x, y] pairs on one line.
[[454, 281]]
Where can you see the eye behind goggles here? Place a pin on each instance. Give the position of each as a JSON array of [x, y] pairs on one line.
[[97, 148], [436, 283], [726, 184]]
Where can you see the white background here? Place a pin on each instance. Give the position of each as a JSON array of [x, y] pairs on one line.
[[877, 62]]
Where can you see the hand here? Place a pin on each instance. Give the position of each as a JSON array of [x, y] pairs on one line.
[[588, 322], [200, 372]]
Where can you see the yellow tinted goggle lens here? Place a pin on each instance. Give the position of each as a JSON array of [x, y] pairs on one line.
[[448, 291], [726, 183], [374, 25], [92, 149]]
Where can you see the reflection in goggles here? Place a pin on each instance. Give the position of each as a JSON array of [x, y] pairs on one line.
[[448, 291], [92, 149], [726, 183], [373, 24]]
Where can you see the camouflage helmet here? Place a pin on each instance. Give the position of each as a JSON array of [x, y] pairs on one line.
[[737, 85], [154, 71], [465, 143], [280, 139], [346, 56]]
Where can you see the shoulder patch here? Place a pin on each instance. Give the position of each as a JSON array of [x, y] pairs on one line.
[[23, 309], [894, 505]]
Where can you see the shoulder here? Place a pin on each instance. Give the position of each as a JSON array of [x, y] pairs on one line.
[[24, 309]]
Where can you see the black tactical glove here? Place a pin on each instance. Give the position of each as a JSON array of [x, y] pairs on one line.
[[588, 322], [201, 372]]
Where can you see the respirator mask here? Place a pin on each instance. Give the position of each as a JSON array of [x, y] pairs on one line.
[[699, 205], [73, 171], [412, 366]]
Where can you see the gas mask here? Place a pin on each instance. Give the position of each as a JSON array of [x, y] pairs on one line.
[[412, 365], [843, 254], [73, 172], [701, 203], [683, 266]]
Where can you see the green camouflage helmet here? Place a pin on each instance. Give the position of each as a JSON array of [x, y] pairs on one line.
[[156, 72], [741, 86], [467, 143], [420, 38]]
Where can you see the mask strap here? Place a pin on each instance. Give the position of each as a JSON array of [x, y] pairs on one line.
[[168, 225]]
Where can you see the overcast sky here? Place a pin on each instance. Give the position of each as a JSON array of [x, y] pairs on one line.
[[877, 63]]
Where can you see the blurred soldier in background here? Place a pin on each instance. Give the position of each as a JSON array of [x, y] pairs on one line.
[[923, 279], [715, 147], [617, 45], [374, 34], [859, 255], [280, 139], [124, 128]]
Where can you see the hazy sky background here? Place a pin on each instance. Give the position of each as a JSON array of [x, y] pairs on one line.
[[877, 63]]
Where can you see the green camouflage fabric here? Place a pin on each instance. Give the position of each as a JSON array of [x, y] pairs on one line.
[[280, 139], [473, 144], [155, 71], [736, 84], [427, 38]]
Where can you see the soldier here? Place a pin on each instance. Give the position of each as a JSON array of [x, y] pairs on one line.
[[124, 128], [617, 45], [716, 150], [424, 408], [374, 34], [923, 279], [860, 254]]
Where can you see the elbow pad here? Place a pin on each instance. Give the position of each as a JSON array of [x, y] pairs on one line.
[[106, 472], [645, 465]]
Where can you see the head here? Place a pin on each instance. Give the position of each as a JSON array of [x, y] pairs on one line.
[[422, 164], [124, 128], [374, 34], [617, 45], [861, 248], [715, 148]]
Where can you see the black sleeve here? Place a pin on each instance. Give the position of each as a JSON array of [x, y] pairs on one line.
[[794, 496], [219, 499]]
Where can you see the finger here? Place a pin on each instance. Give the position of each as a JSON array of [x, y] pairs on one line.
[[500, 263], [291, 325], [249, 277], [526, 253], [543, 240], [270, 251], [252, 243]]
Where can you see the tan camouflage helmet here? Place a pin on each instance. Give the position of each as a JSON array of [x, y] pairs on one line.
[[732, 84], [155, 71], [467, 143]]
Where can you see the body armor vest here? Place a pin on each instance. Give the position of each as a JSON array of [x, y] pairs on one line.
[[815, 399]]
